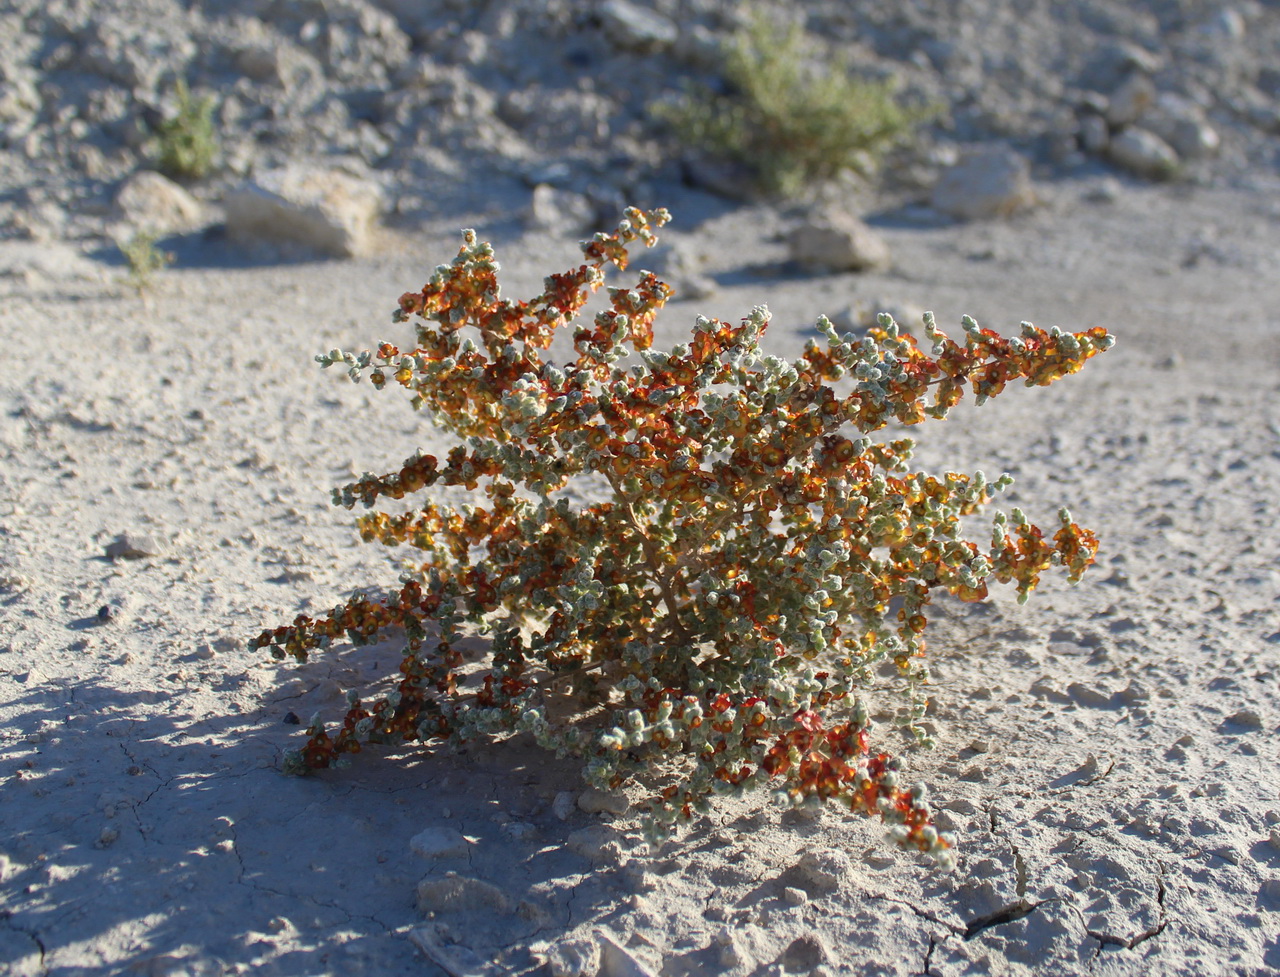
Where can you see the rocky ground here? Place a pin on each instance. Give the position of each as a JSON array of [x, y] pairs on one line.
[[456, 108], [1107, 754]]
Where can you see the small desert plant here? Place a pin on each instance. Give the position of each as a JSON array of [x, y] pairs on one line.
[[144, 259], [186, 143], [790, 117], [754, 560]]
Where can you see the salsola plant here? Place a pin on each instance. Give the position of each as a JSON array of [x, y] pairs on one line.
[[753, 561]]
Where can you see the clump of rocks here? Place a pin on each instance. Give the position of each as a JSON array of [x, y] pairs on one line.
[[430, 110]]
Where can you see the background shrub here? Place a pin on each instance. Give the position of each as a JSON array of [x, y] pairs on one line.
[[186, 144], [791, 115]]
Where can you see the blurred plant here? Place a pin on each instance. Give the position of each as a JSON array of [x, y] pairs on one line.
[[186, 144], [708, 626], [790, 117], [145, 260]]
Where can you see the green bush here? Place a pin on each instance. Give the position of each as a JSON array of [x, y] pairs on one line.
[[186, 142], [144, 260], [791, 117]]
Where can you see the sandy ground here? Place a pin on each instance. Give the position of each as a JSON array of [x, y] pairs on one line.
[[1108, 754]]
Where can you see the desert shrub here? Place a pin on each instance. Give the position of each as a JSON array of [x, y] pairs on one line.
[[144, 261], [754, 561], [790, 116], [186, 143]]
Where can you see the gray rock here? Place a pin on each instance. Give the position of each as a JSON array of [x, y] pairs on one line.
[[455, 959], [574, 957], [323, 210], [459, 893], [1088, 696], [838, 241], [630, 27], [439, 843], [1228, 23], [793, 896], [563, 804], [133, 546], [1127, 104], [1114, 60], [1182, 124], [1142, 152], [1094, 134], [617, 961], [1106, 191], [151, 202], [603, 802], [1246, 719], [274, 61], [804, 954], [992, 182]]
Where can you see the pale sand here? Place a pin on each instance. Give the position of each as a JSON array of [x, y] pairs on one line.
[[1108, 754]]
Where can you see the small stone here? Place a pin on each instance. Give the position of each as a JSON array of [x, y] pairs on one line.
[[962, 805], [1144, 153], [439, 843], [616, 961], [1182, 124], [132, 546], [1274, 839], [838, 241], [105, 613], [291, 719], [459, 893], [314, 208], [1134, 96], [1094, 134], [794, 897], [993, 182], [630, 27], [573, 957], [521, 831], [824, 868], [1246, 719], [1088, 697], [594, 801], [108, 836], [204, 652], [455, 959], [803, 954], [1046, 688], [564, 804], [1133, 693], [878, 858], [154, 203], [1227, 23]]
